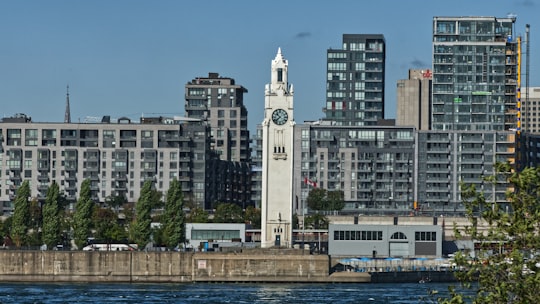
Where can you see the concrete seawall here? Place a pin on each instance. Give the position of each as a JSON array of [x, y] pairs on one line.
[[260, 268], [173, 267], [79, 266], [279, 266]]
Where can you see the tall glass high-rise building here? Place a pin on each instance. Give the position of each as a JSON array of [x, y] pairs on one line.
[[474, 74], [355, 81]]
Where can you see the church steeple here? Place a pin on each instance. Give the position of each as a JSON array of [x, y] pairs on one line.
[[67, 115]]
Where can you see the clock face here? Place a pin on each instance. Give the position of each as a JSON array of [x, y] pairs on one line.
[[280, 117]]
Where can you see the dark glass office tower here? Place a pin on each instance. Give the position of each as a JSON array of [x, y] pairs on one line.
[[355, 81]]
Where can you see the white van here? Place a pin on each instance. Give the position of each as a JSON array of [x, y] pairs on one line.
[[110, 247]]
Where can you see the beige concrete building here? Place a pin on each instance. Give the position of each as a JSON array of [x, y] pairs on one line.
[[530, 109], [414, 100]]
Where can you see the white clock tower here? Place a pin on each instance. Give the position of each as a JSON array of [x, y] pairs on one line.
[[277, 158]]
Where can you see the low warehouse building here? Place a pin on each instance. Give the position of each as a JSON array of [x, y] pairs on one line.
[[215, 235], [385, 240]]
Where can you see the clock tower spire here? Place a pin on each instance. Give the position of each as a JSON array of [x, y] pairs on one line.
[[277, 162]]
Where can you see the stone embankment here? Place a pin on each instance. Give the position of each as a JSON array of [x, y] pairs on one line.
[[257, 265], [173, 267]]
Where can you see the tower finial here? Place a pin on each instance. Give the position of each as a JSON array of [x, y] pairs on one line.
[[67, 114], [279, 56]]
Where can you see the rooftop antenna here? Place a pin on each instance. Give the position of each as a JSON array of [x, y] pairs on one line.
[[527, 66], [67, 114], [511, 15]]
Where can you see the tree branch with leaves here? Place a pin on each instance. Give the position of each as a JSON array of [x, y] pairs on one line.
[[506, 264], [320, 199]]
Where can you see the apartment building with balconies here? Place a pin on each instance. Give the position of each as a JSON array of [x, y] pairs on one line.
[[220, 101], [117, 157], [475, 72]]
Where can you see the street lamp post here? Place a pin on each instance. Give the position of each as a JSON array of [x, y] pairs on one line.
[[303, 228]]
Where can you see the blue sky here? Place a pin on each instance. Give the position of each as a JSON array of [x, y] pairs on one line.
[[129, 57]]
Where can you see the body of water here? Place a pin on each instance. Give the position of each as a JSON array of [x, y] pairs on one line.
[[219, 293]]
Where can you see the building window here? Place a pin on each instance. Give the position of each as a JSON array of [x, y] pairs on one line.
[[14, 137], [337, 66], [398, 236], [426, 236], [337, 55], [280, 75], [357, 235], [196, 91], [146, 134], [214, 234], [31, 136]]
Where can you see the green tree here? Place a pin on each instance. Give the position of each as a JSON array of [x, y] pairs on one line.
[[174, 217], [21, 215], [140, 228], [82, 219], [156, 199], [316, 198], [295, 221], [35, 224], [252, 216], [115, 201], [66, 220], [51, 217], [323, 200], [197, 215], [158, 236], [335, 200], [507, 266], [5, 230], [228, 213], [36, 219], [106, 226], [316, 221]]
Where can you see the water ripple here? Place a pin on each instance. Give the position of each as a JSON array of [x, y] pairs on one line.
[[218, 293]]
